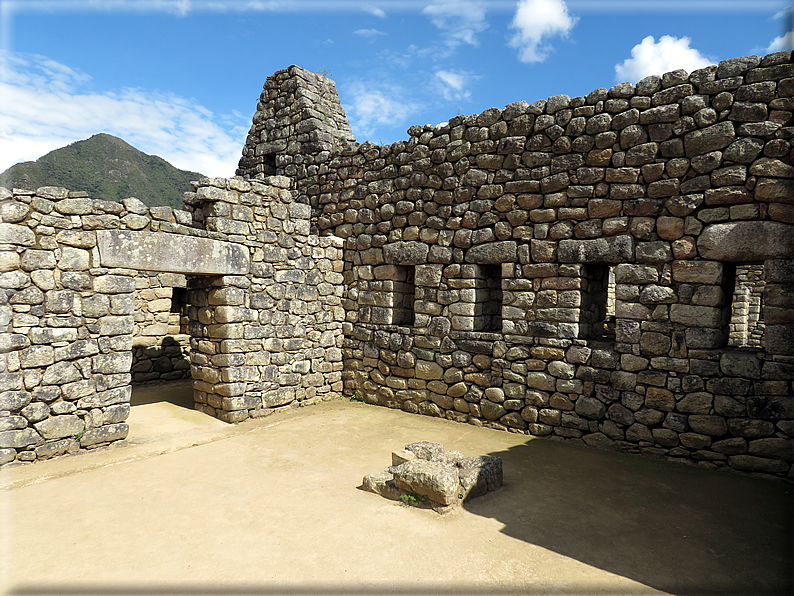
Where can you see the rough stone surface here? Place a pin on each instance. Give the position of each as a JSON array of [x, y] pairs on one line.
[[435, 478], [589, 271]]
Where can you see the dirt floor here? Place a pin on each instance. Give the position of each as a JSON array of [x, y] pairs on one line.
[[190, 505]]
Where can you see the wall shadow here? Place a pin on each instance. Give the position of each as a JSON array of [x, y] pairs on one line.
[[673, 527], [178, 393]]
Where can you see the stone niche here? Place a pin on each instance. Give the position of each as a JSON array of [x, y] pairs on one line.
[[425, 475]]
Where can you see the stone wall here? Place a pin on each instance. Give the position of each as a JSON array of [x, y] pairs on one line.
[[479, 254], [564, 268], [264, 334], [298, 114], [271, 338], [161, 343]]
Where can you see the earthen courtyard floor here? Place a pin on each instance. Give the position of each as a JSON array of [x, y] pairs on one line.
[[190, 505]]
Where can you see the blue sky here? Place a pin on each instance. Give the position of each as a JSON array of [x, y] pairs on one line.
[[181, 78]]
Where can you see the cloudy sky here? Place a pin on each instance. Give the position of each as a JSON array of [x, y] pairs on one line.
[[181, 78]]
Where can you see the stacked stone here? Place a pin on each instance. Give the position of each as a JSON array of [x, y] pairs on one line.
[[272, 338], [424, 475], [298, 121], [265, 338], [747, 324], [66, 321], [161, 343], [664, 186]]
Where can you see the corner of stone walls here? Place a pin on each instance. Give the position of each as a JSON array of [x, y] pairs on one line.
[[614, 225], [270, 339]]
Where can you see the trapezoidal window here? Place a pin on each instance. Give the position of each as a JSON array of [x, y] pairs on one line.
[[597, 314], [746, 329], [402, 295], [488, 298]]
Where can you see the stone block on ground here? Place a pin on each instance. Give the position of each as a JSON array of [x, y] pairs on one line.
[[427, 476], [434, 480]]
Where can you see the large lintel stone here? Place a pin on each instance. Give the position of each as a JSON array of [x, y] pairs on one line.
[[406, 253], [619, 249], [493, 252], [747, 241], [171, 253]]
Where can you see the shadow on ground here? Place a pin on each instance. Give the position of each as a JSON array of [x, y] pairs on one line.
[[271, 507], [676, 528], [178, 393]]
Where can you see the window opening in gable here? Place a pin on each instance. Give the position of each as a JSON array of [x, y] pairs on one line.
[[488, 298], [746, 328]]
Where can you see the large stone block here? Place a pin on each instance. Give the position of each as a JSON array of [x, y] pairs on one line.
[[119, 362], [20, 439], [14, 234], [434, 480], [697, 316], [775, 190], [158, 251], [700, 272], [493, 252], [104, 434], [779, 339], [712, 138], [278, 397], [747, 241], [479, 475], [59, 427], [616, 249], [406, 253]]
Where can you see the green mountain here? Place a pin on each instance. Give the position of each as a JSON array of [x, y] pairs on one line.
[[105, 167]]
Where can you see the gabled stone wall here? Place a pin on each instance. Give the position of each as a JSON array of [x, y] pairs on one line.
[[667, 188], [564, 268]]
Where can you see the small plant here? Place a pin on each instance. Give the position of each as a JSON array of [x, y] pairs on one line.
[[413, 500], [353, 397], [78, 436]]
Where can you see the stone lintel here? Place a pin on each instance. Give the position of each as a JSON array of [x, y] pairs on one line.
[[617, 249], [171, 253], [747, 241]]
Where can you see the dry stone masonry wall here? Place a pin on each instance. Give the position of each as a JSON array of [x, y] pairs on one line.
[[615, 269], [271, 338], [566, 268], [264, 334]]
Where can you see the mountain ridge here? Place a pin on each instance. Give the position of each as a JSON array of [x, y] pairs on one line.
[[106, 167]]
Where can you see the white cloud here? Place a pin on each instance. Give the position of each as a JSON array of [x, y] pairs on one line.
[[536, 20], [461, 20], [453, 84], [370, 34], [652, 58], [371, 104], [782, 43], [374, 10], [47, 105]]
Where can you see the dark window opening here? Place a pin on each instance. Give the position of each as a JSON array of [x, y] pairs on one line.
[[403, 295], [488, 298], [178, 318], [597, 315]]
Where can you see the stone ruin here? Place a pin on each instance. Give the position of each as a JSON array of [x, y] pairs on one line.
[[425, 475], [615, 269]]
